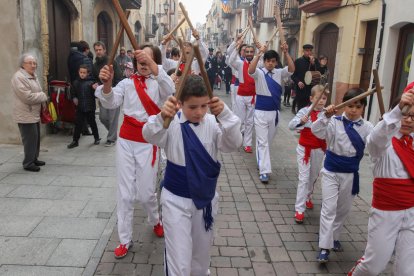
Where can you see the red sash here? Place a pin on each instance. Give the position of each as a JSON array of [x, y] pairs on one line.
[[406, 153], [310, 141], [247, 88], [131, 128], [233, 79], [391, 194]]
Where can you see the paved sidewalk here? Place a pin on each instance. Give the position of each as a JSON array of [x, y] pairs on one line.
[[255, 233], [56, 221]]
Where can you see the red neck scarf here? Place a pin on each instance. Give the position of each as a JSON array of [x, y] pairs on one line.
[[404, 149], [150, 107]]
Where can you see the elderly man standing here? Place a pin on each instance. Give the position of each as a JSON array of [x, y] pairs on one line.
[[28, 99], [122, 59], [108, 117]]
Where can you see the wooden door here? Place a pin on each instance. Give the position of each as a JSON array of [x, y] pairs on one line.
[[328, 41], [403, 61], [59, 39], [368, 57], [105, 30]]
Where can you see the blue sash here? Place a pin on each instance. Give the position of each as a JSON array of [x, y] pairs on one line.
[[198, 179], [262, 103], [343, 164]]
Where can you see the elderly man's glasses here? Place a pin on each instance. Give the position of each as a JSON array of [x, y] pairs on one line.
[[34, 63]]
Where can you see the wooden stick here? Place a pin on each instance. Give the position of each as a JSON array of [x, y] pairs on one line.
[[279, 24], [117, 41], [357, 98], [186, 16], [173, 30], [271, 38], [181, 84], [379, 92], [324, 92], [245, 31], [202, 69], [125, 24], [252, 30]]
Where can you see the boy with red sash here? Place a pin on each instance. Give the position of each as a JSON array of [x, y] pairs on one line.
[[189, 199], [310, 152], [391, 220], [268, 97], [345, 140], [246, 93], [136, 159]]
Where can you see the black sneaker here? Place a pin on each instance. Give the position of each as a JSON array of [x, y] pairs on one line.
[[32, 168], [39, 163], [109, 144], [97, 141], [72, 145]]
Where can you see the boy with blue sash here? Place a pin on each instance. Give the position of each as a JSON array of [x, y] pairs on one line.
[[310, 152], [345, 138], [189, 199], [268, 97]]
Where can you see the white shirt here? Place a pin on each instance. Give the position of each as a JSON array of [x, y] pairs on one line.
[[260, 79], [294, 123], [167, 63], [333, 131], [224, 135], [386, 162], [158, 89]]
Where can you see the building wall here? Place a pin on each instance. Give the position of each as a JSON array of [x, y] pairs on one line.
[[351, 23], [397, 16]]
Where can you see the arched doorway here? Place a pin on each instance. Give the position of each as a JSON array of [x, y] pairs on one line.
[[327, 44], [137, 29], [59, 39], [105, 30]]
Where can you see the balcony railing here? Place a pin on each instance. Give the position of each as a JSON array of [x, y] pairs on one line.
[[130, 4], [318, 6], [290, 13], [265, 11]]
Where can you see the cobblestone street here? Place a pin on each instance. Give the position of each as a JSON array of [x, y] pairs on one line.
[[255, 233]]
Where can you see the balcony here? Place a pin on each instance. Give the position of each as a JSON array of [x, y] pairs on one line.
[[244, 4], [228, 9], [265, 11], [290, 13], [130, 4], [318, 6]]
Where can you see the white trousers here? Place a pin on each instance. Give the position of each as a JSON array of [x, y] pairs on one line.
[[265, 126], [136, 182], [245, 111], [388, 231], [336, 202], [187, 243], [308, 174], [233, 93]]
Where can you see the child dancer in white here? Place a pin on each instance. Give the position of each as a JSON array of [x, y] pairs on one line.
[[268, 97], [189, 200], [391, 222], [345, 138], [136, 160], [310, 152]]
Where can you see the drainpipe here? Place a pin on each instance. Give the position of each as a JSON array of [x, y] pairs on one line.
[[44, 34], [377, 62]]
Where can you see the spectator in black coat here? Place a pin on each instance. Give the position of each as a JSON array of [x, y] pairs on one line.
[[211, 67], [83, 96], [305, 63], [78, 55]]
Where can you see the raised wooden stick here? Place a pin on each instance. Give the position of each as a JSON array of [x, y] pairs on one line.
[[193, 30], [202, 69], [279, 23], [183, 34], [357, 98], [379, 92], [182, 56], [125, 24], [117, 41], [324, 92], [181, 84], [252, 30], [173, 30]]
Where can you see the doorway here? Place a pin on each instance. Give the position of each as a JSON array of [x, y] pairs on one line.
[[105, 30]]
